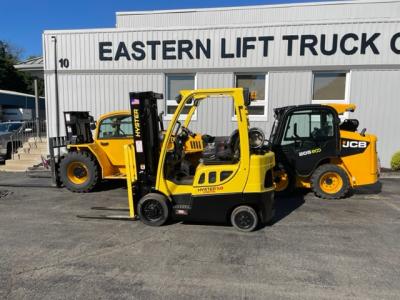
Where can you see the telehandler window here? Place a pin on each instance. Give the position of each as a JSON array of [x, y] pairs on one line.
[[309, 125], [116, 127]]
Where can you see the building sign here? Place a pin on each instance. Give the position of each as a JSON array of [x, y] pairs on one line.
[[242, 47], [305, 45]]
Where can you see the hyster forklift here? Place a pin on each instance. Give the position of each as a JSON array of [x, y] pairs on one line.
[[184, 175], [315, 150]]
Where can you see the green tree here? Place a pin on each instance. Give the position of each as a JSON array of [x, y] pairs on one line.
[[12, 79]]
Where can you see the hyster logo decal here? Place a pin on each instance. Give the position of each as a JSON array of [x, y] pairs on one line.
[[212, 189], [354, 144], [136, 122], [309, 152]]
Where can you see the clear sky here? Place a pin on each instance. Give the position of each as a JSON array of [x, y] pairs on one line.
[[23, 21]]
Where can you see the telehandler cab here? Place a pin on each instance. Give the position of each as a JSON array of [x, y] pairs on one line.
[[225, 179], [315, 150]]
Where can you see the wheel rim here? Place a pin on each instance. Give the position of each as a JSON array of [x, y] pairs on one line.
[[281, 181], [331, 183], [77, 172], [152, 210], [244, 220]]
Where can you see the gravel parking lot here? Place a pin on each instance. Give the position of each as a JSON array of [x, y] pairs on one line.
[[315, 249]]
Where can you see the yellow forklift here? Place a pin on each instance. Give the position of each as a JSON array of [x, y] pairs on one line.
[[314, 149], [181, 175], [192, 176]]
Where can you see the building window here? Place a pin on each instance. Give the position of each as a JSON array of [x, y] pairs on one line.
[[330, 86], [259, 84], [173, 84]]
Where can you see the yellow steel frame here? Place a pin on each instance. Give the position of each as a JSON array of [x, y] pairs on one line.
[[131, 175]]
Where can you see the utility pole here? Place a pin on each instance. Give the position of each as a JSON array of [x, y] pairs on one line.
[[37, 108]]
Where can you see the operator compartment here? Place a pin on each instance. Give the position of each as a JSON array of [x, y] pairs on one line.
[[208, 146]]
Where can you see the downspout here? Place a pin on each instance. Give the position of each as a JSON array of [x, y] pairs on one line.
[[54, 39]]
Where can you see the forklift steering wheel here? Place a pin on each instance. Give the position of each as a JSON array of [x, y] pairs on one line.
[[187, 132]]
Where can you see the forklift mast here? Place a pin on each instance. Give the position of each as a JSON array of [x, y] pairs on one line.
[[146, 134], [78, 127]]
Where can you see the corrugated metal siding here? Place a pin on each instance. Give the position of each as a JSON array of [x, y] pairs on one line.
[[215, 115], [377, 94], [97, 93], [81, 48], [286, 88], [377, 108], [261, 14], [101, 93]]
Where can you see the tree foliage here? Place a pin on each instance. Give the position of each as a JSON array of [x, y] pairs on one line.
[[12, 79], [395, 162]]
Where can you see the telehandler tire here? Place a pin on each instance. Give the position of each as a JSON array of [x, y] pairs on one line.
[[244, 218], [154, 209], [330, 182], [79, 172]]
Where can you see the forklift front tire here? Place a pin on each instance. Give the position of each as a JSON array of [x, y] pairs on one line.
[[153, 209], [330, 182], [244, 218], [79, 172]]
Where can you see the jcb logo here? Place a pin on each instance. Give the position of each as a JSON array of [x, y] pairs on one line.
[[354, 144]]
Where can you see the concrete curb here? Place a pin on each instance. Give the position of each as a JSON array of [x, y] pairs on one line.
[[390, 175]]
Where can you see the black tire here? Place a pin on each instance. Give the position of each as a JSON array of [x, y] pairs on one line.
[[244, 218], [154, 209], [87, 170], [318, 176]]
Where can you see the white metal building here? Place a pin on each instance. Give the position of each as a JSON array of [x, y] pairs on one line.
[[291, 54]]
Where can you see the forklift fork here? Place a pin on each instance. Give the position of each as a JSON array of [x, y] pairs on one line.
[[131, 177]]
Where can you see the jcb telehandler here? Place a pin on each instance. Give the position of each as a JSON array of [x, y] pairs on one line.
[[193, 176], [315, 150]]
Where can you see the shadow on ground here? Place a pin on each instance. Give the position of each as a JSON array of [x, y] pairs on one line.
[[284, 206], [108, 185]]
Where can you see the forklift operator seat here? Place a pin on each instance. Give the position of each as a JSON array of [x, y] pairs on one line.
[[222, 152]]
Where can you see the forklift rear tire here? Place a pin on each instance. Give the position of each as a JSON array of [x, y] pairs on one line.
[[330, 182], [244, 218], [79, 172], [153, 209]]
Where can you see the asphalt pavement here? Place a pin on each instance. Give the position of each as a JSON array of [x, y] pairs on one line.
[[315, 249]]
